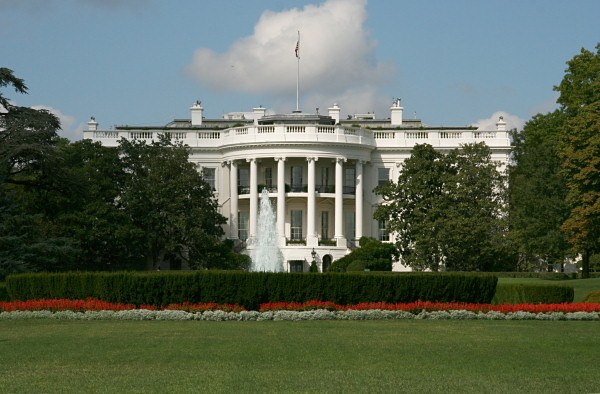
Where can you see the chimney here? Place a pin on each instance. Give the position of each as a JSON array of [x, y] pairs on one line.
[[258, 113], [334, 112], [501, 124], [92, 124], [396, 113], [197, 111]]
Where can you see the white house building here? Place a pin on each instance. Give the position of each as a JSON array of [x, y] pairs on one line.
[[320, 170]]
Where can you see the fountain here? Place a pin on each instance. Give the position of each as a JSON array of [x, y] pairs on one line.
[[266, 255]]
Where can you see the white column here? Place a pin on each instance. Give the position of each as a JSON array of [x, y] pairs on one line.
[[358, 219], [233, 189], [281, 199], [253, 199], [339, 202], [311, 234]]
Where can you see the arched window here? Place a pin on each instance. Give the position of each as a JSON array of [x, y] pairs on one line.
[[326, 262]]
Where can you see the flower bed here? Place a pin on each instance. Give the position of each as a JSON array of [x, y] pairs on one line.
[[418, 306], [92, 309], [92, 304]]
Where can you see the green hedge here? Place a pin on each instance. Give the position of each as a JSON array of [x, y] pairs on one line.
[[252, 289], [507, 293], [538, 275], [3, 292], [592, 297]]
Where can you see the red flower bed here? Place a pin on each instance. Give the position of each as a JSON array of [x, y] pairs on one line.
[[418, 306], [92, 304]]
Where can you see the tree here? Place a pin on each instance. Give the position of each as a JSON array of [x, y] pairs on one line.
[[580, 150], [447, 210], [166, 197], [373, 255], [28, 140], [538, 192]]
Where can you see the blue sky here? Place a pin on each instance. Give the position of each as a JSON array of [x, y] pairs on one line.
[[141, 62]]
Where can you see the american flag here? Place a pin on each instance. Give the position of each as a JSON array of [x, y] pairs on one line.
[[298, 49]]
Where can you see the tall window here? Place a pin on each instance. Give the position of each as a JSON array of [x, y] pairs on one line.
[[349, 225], [296, 265], [349, 180], [269, 178], [383, 233], [243, 180], [296, 224], [243, 219], [209, 175], [324, 225], [296, 178], [325, 182], [383, 175]]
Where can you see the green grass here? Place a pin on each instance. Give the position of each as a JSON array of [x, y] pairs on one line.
[[325, 356], [581, 286]]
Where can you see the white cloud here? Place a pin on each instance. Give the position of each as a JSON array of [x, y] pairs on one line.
[[512, 121], [69, 129], [336, 59]]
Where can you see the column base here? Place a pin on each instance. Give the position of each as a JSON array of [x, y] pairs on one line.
[[341, 242]]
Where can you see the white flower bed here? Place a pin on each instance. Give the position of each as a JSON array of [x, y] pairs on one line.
[[319, 314]]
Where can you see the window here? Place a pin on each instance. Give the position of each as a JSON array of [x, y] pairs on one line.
[[325, 186], [349, 225], [243, 180], [269, 178], [296, 265], [349, 180], [296, 224], [382, 231], [209, 176], [243, 220], [296, 179], [326, 263], [324, 225], [383, 176]]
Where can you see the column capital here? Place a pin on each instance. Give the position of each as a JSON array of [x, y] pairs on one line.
[[251, 159], [312, 159], [280, 158], [340, 160], [399, 164]]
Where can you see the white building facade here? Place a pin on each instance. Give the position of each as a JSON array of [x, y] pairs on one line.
[[319, 170]]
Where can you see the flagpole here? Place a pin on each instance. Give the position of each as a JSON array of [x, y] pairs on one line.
[[298, 74]]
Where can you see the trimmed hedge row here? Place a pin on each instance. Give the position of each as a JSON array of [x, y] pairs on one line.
[[592, 296], [3, 292], [538, 275], [252, 289], [508, 293]]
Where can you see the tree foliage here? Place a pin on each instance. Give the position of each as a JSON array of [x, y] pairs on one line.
[[66, 206], [447, 209], [373, 255], [538, 191], [580, 150]]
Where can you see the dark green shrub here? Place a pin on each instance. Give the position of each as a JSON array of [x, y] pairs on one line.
[[372, 254], [3, 292], [507, 293], [254, 288], [538, 275], [592, 297]]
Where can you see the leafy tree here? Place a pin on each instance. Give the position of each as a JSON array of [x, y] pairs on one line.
[[447, 210], [166, 197], [538, 191], [373, 255], [28, 141], [580, 151]]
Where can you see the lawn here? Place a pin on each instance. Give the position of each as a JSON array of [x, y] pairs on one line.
[[323, 356], [581, 286]]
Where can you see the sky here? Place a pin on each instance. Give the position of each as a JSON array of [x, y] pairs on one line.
[[145, 62]]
